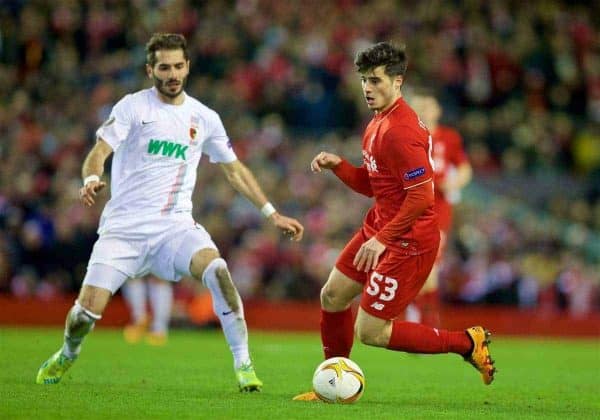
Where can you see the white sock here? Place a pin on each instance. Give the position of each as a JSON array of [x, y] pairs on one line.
[[161, 301], [134, 292], [232, 318]]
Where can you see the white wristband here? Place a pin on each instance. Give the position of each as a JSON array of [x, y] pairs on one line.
[[91, 178], [267, 210]]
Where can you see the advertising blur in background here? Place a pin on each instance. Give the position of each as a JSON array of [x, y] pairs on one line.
[[520, 84]]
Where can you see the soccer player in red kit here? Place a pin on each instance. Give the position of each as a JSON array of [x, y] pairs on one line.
[[391, 255], [452, 172]]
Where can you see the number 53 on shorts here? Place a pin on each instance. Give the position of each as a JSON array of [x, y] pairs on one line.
[[383, 288]]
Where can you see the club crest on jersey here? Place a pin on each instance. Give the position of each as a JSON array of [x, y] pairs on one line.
[[369, 162], [415, 173], [194, 129]]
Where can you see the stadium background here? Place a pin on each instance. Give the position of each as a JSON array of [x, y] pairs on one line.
[[522, 85]]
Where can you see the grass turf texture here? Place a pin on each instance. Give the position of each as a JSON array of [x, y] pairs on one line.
[[192, 377]]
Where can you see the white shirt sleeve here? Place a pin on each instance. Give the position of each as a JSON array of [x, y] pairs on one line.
[[217, 144], [116, 129]]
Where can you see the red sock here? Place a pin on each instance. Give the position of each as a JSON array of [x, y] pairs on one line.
[[429, 305], [337, 333], [418, 338]]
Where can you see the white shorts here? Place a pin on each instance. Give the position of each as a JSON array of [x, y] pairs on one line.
[[166, 252]]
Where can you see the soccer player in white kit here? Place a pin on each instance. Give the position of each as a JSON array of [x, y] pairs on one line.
[[158, 136]]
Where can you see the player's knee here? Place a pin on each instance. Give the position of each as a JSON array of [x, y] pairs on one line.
[[202, 260], [330, 300]]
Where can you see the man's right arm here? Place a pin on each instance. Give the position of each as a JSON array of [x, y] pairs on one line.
[[355, 178], [92, 170]]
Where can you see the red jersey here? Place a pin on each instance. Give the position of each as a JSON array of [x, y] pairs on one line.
[[396, 156], [448, 152]]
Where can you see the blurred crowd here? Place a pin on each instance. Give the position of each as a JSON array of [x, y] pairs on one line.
[[521, 83]]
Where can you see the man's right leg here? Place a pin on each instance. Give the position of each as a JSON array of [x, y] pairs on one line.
[[88, 308], [337, 324]]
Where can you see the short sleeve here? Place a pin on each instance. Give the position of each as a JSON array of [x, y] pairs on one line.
[[217, 144], [116, 128], [407, 155]]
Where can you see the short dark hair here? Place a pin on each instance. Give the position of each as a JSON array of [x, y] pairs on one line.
[[393, 57], [164, 41]]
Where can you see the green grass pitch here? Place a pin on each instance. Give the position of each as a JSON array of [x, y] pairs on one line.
[[192, 377]]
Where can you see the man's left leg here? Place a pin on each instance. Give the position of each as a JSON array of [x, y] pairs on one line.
[[471, 344], [387, 297], [208, 267]]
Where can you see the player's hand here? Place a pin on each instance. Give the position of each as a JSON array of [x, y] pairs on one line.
[[289, 226], [324, 160], [367, 257], [88, 192]]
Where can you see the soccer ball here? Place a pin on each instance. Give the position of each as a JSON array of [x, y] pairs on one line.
[[339, 380]]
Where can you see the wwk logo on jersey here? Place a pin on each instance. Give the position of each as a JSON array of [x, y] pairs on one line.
[[369, 162], [167, 148]]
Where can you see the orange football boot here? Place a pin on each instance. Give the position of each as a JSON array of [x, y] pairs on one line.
[[480, 356], [306, 396]]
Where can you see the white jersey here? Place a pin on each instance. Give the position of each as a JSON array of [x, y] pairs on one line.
[[157, 148]]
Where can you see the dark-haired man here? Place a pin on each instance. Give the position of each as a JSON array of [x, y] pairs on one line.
[[158, 136], [389, 258]]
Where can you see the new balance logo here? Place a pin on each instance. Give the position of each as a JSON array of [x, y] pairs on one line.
[[378, 306], [167, 148]]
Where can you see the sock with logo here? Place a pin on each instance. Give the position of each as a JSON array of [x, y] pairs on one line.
[[337, 333], [418, 338], [228, 307]]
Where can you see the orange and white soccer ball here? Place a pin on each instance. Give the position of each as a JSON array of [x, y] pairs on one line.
[[339, 380]]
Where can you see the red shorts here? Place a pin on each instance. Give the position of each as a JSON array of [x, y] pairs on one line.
[[393, 284]]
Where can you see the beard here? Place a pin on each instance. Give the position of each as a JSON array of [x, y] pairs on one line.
[[162, 86]]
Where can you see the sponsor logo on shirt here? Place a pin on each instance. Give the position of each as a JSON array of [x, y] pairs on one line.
[[415, 173], [167, 148]]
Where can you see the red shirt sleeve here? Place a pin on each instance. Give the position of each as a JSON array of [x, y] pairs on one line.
[[355, 178], [408, 155], [417, 200]]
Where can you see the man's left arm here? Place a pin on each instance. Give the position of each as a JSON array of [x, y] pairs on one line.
[[242, 179]]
